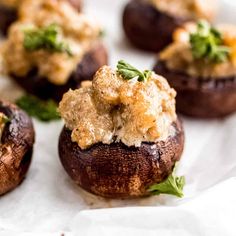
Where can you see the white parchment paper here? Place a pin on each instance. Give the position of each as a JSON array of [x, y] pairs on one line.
[[49, 203]]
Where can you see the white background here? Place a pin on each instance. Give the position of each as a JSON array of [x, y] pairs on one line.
[[48, 203]]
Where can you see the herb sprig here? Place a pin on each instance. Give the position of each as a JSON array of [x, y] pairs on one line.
[[173, 185], [42, 110], [45, 38], [207, 43], [129, 72]]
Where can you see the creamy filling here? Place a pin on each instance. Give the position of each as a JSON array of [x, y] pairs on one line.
[[178, 56], [191, 9], [75, 29], [111, 109]]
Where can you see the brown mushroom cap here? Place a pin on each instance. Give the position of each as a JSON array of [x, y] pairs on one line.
[[147, 28], [16, 147], [42, 88], [201, 97], [119, 171], [7, 17]]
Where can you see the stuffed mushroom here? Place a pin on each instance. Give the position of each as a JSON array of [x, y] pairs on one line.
[[54, 50], [149, 24], [201, 65], [9, 11], [16, 146], [122, 137]]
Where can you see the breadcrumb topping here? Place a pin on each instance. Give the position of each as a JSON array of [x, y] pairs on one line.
[[111, 109]]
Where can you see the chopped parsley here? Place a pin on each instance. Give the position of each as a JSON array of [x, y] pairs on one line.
[[129, 72], [207, 43], [45, 38], [173, 185], [42, 110]]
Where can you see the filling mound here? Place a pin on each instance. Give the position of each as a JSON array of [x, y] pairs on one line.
[[117, 108], [201, 50], [50, 36], [190, 9]]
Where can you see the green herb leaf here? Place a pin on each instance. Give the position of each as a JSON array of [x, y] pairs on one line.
[[129, 72], [45, 38], [42, 110], [173, 185], [207, 43], [102, 33]]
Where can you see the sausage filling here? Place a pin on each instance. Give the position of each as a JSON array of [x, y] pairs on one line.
[[111, 109]]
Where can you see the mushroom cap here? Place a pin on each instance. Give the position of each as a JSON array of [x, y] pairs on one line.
[[201, 97], [16, 147], [7, 17], [119, 171]]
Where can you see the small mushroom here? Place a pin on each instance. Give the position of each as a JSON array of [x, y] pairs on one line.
[[9, 15], [201, 97], [16, 147], [119, 171], [148, 28]]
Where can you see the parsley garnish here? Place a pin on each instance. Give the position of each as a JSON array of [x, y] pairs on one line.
[[129, 72], [173, 185], [45, 38], [207, 43], [42, 110]]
